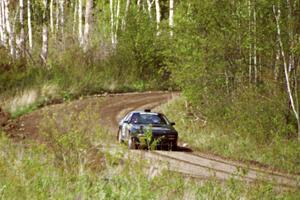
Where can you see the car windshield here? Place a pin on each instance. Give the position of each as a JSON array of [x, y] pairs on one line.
[[148, 118]]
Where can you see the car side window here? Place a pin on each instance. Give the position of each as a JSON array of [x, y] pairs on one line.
[[127, 117]]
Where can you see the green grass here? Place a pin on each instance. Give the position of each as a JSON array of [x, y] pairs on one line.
[[279, 153], [70, 163], [31, 171]]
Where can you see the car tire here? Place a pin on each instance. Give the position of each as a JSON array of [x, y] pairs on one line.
[[131, 143], [120, 140], [174, 147]]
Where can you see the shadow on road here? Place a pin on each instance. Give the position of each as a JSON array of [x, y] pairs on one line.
[[184, 149], [179, 149]]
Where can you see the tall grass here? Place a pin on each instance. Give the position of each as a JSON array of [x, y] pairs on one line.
[[73, 159], [233, 142]]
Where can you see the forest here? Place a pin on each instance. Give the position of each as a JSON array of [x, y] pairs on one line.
[[235, 63]]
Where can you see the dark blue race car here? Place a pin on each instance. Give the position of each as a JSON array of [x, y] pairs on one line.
[[140, 128]]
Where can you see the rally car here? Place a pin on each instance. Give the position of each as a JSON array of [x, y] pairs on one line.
[[146, 128]]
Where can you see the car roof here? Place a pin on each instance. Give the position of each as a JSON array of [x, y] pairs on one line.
[[143, 112]]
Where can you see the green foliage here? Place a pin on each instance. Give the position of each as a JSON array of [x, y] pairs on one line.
[[30, 171], [242, 136]]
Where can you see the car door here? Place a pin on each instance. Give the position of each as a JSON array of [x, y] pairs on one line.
[[124, 126]]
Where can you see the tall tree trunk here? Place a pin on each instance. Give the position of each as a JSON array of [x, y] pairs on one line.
[[117, 20], [139, 4], [44, 52], [80, 34], [75, 17], [171, 17], [56, 16], [2, 41], [150, 4], [51, 16], [88, 22], [294, 106], [254, 45], [9, 29], [29, 24], [126, 13], [250, 42], [62, 16], [112, 22], [158, 16], [22, 31]]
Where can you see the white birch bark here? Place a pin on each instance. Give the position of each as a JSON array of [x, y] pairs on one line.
[[56, 16], [171, 17], [291, 37], [250, 43], [61, 16], [29, 24], [158, 16], [254, 46], [286, 70], [150, 4], [22, 31], [139, 3], [2, 41], [88, 22], [117, 21], [126, 13], [75, 17], [9, 29], [112, 21], [44, 52], [80, 34], [51, 16]]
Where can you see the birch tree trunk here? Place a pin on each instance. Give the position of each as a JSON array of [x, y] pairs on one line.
[[112, 22], [294, 106], [62, 16], [117, 21], [4, 23], [150, 4], [254, 45], [158, 16], [80, 35], [126, 13], [29, 24], [88, 22], [171, 17], [250, 43], [56, 16], [22, 32], [51, 16], [44, 52], [2, 41], [75, 17], [139, 4], [9, 29]]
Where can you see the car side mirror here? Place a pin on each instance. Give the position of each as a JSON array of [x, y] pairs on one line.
[[173, 123], [126, 122]]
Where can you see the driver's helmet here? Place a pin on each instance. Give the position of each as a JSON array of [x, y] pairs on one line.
[[155, 119], [135, 119]]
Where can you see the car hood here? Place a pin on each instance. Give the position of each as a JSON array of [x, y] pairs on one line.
[[154, 128]]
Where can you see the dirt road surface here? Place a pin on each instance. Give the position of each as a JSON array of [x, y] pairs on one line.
[[184, 161]]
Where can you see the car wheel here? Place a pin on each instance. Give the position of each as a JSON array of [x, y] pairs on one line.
[[131, 143], [174, 147], [120, 140]]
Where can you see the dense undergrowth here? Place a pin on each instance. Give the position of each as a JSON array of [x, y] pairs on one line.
[[246, 135], [70, 161]]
